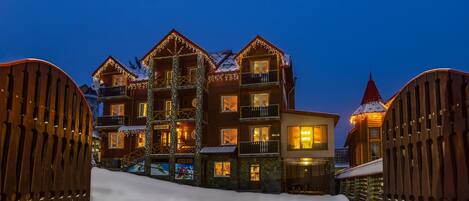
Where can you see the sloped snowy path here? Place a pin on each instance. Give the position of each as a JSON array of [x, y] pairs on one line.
[[118, 186]]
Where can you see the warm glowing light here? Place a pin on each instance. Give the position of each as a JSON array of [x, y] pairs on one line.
[[374, 118]]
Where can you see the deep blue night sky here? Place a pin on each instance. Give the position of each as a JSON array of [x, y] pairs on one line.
[[334, 44]]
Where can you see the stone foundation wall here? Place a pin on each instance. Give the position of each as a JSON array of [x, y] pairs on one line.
[[270, 170]]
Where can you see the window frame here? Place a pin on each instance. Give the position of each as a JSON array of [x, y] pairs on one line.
[[168, 77], [117, 135], [222, 108], [251, 172], [138, 138], [113, 78], [223, 169], [222, 136], [253, 62], [116, 104], [167, 112], [312, 148], [260, 93], [140, 112], [251, 132]]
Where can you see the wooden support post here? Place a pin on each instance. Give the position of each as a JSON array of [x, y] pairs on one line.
[[149, 130], [173, 117], [199, 117]]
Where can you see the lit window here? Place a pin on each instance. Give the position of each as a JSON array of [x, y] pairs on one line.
[[118, 80], [260, 67], [192, 75], [194, 102], [259, 134], [229, 136], [169, 77], [260, 100], [117, 110], [142, 109], [255, 170], [167, 108], [165, 139], [374, 133], [307, 137], [229, 103], [116, 140], [141, 140], [222, 169], [375, 149]]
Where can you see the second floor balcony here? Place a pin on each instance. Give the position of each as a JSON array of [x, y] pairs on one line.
[[113, 92], [111, 121], [259, 147], [250, 78], [260, 112], [183, 114]]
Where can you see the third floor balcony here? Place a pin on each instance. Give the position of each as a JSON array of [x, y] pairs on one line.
[[183, 82], [113, 92], [111, 121], [268, 78], [269, 112]]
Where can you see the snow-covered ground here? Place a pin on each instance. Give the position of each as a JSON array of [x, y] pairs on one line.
[[119, 186]]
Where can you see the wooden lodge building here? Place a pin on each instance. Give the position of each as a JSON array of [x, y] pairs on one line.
[[221, 120], [364, 140]]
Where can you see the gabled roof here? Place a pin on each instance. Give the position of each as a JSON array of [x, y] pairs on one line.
[[258, 40], [111, 60], [178, 36], [371, 92]]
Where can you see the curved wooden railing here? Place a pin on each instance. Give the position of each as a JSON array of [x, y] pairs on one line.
[[46, 134], [426, 150]]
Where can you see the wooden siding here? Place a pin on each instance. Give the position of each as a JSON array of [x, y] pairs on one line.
[[46, 128], [426, 139]]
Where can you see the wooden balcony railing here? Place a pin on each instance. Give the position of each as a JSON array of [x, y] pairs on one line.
[[161, 115], [187, 81], [253, 112], [250, 78], [259, 147], [186, 113], [113, 91], [181, 114], [111, 120], [185, 147], [162, 83]]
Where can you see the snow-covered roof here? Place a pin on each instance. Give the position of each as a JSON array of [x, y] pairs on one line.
[[370, 107], [370, 168], [217, 150], [131, 128], [225, 61]]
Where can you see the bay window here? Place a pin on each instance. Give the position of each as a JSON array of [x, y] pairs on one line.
[[307, 137]]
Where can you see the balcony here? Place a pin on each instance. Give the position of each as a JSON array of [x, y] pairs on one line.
[[183, 114], [113, 92], [161, 84], [111, 121], [269, 112], [187, 82], [259, 147], [270, 78], [182, 148]]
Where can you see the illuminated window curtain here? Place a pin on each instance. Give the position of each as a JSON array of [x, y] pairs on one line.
[[306, 134], [320, 135], [260, 134], [229, 103], [169, 77], [294, 137], [229, 136], [167, 108], [255, 172], [222, 169], [260, 67], [142, 109], [165, 139], [121, 140], [260, 100], [141, 140]]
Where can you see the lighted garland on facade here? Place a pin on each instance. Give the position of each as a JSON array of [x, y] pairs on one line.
[[178, 38], [117, 67], [259, 42], [138, 85]]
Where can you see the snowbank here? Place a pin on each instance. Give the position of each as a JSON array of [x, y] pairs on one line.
[[119, 186]]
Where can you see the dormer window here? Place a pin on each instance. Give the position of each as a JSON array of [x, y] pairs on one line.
[[260, 67], [118, 80]]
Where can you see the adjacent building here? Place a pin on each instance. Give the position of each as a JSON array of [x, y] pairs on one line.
[[364, 140], [222, 120]]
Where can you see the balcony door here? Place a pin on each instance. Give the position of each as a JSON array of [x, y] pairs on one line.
[[117, 110], [259, 137], [259, 104], [118, 80], [167, 108]]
